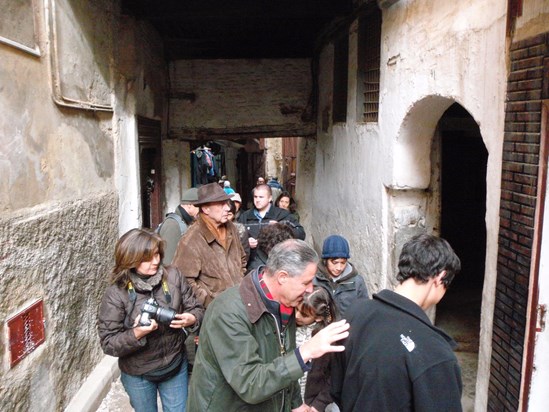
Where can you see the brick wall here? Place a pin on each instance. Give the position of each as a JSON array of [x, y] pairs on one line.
[[518, 203]]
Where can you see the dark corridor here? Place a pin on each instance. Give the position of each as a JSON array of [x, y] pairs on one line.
[[463, 208], [463, 182]]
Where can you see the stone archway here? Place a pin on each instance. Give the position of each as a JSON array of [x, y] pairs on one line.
[[439, 186]]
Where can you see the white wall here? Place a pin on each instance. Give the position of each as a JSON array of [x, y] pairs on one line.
[[464, 61], [367, 185], [140, 84]]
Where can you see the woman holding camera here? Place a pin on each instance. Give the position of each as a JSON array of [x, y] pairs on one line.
[[142, 321]]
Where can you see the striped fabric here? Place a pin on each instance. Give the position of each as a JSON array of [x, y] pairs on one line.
[[285, 311]]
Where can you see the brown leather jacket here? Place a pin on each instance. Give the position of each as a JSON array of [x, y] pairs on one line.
[[158, 348], [207, 265]]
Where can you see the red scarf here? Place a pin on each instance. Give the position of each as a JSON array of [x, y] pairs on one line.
[[285, 311]]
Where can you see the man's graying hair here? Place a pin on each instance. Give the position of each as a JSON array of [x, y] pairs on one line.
[[291, 256]]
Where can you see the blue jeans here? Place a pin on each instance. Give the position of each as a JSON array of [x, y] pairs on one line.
[[143, 394]]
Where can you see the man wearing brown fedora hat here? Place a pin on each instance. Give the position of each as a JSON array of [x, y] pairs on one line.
[[210, 254]]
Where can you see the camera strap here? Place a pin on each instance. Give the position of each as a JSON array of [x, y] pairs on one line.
[[133, 297], [133, 294], [166, 291]]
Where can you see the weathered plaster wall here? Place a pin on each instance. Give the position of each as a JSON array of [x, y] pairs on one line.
[[218, 97], [347, 198], [176, 165], [62, 168], [140, 79], [60, 253], [305, 184], [273, 157], [463, 60], [533, 21], [370, 178]]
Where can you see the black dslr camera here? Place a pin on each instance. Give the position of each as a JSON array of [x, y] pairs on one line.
[[152, 310]]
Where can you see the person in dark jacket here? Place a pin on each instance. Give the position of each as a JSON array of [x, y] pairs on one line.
[[142, 321], [264, 212], [337, 275], [247, 359], [269, 236], [395, 359], [242, 232]]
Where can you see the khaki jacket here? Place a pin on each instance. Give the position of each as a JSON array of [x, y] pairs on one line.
[[208, 267]]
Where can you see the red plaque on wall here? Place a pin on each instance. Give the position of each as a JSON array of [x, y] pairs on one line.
[[26, 332]]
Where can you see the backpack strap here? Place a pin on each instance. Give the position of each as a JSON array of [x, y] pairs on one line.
[[175, 217]]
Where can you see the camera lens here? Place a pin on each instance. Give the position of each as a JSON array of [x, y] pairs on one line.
[[165, 315]]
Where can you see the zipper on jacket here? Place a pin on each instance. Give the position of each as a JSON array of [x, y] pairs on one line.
[[282, 353]]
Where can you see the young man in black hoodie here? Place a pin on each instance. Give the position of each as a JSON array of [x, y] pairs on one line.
[[395, 359]]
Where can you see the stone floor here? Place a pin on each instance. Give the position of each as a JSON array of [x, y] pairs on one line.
[[458, 314], [116, 400]]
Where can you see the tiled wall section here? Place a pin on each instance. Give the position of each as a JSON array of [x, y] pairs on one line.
[[518, 203]]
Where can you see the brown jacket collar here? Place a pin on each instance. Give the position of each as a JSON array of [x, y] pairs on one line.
[[253, 303]]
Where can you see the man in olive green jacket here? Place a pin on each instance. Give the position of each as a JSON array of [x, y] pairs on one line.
[[247, 359]]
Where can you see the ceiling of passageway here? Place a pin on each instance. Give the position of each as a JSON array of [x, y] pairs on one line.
[[224, 29]]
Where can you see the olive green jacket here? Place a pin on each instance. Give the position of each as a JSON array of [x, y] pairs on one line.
[[240, 364]]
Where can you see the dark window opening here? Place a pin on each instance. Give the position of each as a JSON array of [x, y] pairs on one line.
[[341, 62], [369, 50]]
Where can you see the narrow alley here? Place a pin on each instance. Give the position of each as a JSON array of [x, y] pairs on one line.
[[384, 119]]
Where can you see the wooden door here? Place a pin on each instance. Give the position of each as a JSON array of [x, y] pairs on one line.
[[150, 161]]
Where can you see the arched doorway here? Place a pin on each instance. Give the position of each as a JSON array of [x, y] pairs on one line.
[[463, 161]]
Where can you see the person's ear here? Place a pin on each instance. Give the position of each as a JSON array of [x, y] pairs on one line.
[[439, 277], [282, 276]]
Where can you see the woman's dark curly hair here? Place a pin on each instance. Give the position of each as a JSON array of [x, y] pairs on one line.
[[293, 203], [272, 234]]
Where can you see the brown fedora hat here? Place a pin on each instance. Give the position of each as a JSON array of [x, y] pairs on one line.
[[211, 193]]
